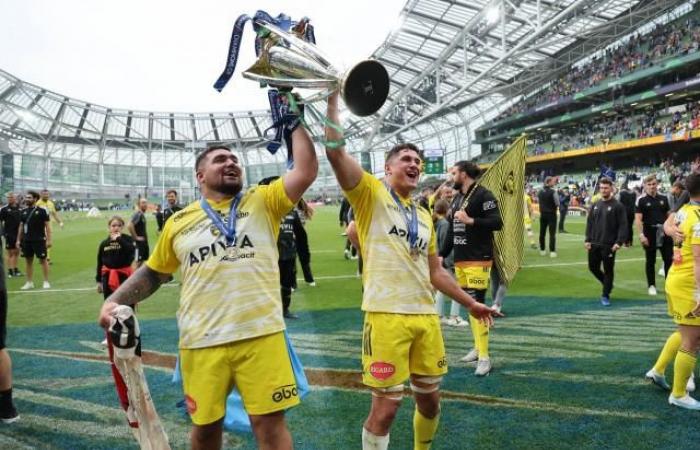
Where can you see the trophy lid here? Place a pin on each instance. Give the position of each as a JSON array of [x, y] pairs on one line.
[[366, 87]]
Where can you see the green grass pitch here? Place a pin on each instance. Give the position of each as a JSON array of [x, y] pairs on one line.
[[567, 373]]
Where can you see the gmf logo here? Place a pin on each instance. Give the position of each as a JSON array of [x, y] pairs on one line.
[[284, 392], [381, 370]]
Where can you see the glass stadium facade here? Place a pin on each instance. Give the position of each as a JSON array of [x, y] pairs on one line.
[[454, 66]]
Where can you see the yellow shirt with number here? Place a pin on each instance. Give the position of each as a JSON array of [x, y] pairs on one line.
[[48, 205], [393, 282], [224, 298], [681, 277]]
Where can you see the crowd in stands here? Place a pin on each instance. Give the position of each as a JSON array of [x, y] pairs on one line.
[[620, 127], [639, 52]]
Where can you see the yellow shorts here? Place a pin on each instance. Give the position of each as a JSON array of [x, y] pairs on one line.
[[471, 275], [680, 303], [395, 346], [258, 367]]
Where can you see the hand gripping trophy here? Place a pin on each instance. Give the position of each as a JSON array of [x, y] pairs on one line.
[[288, 58]]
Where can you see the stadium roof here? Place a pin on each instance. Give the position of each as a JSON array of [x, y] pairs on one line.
[[453, 65]]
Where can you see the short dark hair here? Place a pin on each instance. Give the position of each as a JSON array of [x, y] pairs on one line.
[[34, 194], [692, 183], [605, 180], [472, 170], [171, 191], [679, 184], [204, 154], [402, 146]]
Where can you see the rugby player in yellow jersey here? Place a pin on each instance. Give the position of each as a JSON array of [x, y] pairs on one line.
[[230, 315], [46, 203], [683, 297], [527, 219], [402, 339]]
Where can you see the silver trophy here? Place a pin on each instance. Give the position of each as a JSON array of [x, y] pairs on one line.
[[286, 61]]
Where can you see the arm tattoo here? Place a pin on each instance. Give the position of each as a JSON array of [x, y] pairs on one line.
[[139, 286]]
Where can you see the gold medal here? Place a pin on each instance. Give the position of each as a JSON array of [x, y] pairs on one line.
[[232, 252], [415, 253]]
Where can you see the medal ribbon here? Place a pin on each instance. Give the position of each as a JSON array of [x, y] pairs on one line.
[[227, 229], [411, 218]]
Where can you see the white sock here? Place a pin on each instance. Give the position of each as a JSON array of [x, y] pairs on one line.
[[373, 442]]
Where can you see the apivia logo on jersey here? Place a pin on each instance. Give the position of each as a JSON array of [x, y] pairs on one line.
[[244, 249], [400, 232]]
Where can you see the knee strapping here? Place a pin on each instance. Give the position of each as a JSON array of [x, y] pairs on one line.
[[433, 382], [391, 392]]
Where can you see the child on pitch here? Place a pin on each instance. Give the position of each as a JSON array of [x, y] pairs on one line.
[[115, 256]]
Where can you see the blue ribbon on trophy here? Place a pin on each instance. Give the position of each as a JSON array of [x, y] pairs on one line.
[[288, 58], [285, 113]]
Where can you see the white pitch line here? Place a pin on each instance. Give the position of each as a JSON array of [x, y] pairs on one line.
[[328, 277]]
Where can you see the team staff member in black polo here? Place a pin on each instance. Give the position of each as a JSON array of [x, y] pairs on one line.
[[173, 205], [137, 229], [34, 237], [606, 232], [549, 203], [10, 217], [651, 213], [628, 198]]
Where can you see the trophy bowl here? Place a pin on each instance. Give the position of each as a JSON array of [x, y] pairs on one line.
[[365, 87]]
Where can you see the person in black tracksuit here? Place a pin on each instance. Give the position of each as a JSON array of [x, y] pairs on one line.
[[344, 220], [304, 212], [564, 200], [286, 246], [11, 217], [651, 212], [606, 232], [549, 203], [628, 198], [470, 236]]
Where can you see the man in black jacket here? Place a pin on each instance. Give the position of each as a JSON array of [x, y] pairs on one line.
[[564, 200], [470, 236], [628, 198], [549, 203], [606, 232]]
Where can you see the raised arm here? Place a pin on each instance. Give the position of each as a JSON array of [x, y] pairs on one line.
[[298, 180], [139, 286], [347, 170]]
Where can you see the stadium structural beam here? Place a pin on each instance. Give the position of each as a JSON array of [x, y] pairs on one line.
[[647, 11]]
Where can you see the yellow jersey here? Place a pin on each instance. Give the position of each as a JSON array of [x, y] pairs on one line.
[[527, 206], [681, 277], [48, 205], [226, 297], [393, 281]]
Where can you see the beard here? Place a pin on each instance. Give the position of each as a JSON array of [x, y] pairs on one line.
[[458, 185], [229, 188]]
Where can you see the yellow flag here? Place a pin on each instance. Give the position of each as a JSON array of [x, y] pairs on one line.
[[506, 180]]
